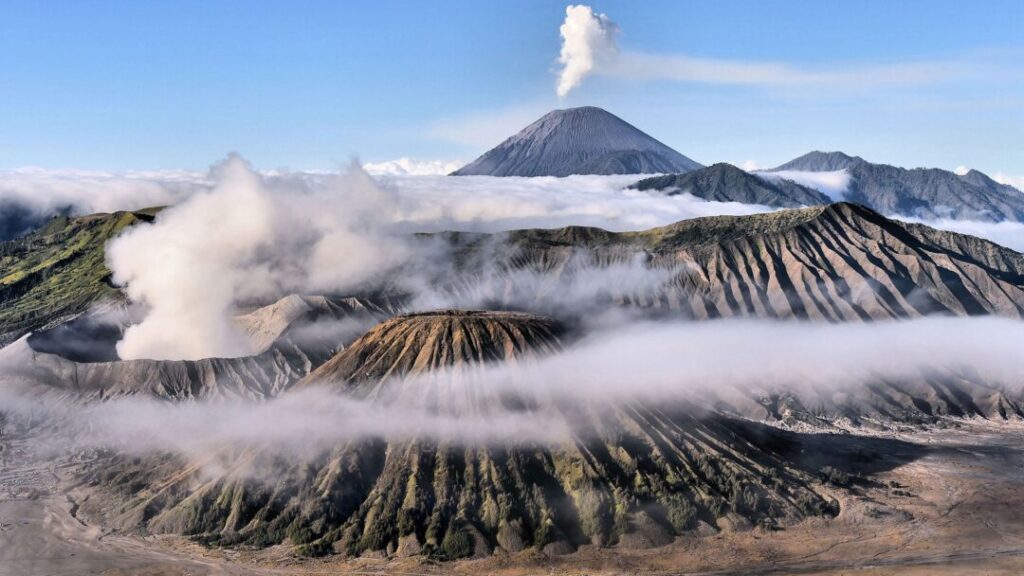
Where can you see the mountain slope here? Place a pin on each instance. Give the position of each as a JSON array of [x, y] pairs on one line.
[[818, 161], [841, 262], [585, 140], [58, 271], [416, 343], [727, 183], [632, 476], [918, 192], [627, 474]]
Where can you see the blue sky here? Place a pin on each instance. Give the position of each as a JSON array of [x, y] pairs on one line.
[[149, 85]]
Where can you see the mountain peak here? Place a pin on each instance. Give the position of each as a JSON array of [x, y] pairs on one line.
[[584, 140], [818, 161], [726, 183]]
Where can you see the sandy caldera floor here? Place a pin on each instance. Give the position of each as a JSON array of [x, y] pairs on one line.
[[956, 509]]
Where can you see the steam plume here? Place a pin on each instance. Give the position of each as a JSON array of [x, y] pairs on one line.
[[588, 39]]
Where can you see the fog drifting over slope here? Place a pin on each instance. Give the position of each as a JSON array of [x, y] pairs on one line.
[[694, 363]]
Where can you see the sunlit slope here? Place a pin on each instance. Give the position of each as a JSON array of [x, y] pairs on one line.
[[58, 271]]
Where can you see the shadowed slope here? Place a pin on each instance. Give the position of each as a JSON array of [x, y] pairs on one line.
[[727, 183]]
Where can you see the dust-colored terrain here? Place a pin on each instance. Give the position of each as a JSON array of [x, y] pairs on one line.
[[956, 508]]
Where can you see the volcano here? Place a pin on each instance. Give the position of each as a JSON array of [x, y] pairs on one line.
[[586, 140]]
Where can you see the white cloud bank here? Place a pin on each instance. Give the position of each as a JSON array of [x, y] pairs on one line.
[[1015, 181], [590, 46], [410, 167], [91, 191], [667, 363], [236, 235]]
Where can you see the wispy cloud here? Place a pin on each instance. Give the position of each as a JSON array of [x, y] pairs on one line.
[[590, 47], [1015, 181], [668, 362]]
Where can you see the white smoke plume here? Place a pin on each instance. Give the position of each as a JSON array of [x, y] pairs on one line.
[[588, 41], [249, 237]]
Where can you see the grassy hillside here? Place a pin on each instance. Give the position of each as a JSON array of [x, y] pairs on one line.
[[58, 271]]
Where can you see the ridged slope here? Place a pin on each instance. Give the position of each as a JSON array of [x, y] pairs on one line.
[[836, 262], [585, 140], [633, 476], [416, 343], [818, 161], [630, 475]]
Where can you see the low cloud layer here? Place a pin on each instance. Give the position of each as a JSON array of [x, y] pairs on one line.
[[832, 184], [236, 235], [693, 363], [1015, 181], [835, 185], [1009, 234], [410, 167], [30, 196]]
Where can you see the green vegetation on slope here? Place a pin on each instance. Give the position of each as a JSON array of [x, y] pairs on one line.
[[58, 271]]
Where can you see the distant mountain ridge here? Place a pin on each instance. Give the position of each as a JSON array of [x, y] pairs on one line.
[[727, 183], [818, 161], [916, 192], [586, 140]]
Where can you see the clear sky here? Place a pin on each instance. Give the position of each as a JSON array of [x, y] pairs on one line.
[[149, 85]]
